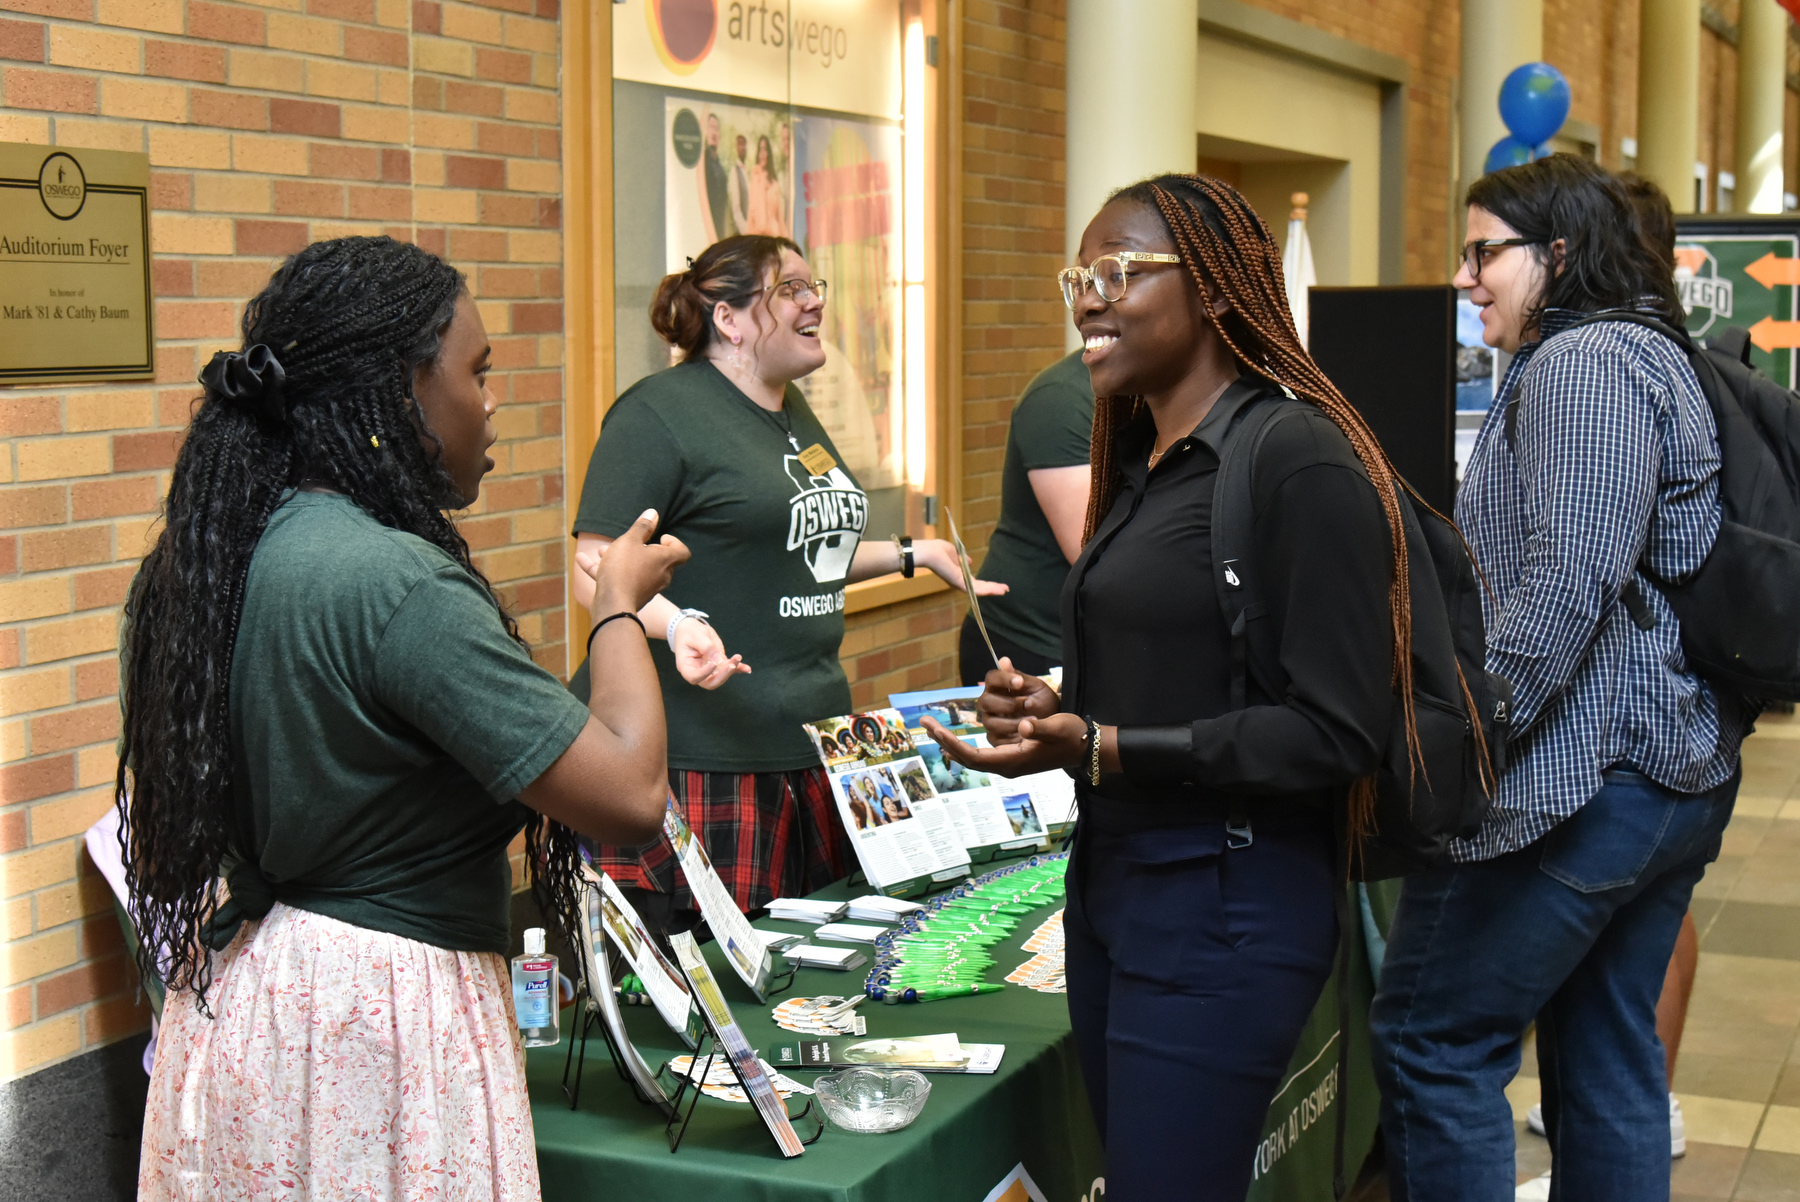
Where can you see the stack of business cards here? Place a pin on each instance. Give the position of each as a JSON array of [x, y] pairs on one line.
[[810, 955], [800, 909], [876, 908], [849, 932]]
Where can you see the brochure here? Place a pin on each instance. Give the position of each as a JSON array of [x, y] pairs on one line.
[[1007, 815], [668, 992], [599, 983], [925, 1053], [743, 1057], [905, 836], [744, 946]]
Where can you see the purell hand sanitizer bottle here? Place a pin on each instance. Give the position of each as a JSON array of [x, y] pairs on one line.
[[534, 992]]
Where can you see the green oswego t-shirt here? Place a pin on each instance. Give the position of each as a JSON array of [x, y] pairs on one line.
[[771, 542], [382, 722], [1051, 427]]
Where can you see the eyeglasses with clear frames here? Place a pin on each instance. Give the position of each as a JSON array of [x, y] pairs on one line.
[[1108, 274], [798, 291]]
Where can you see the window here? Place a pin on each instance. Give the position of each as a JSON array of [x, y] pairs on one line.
[[813, 121]]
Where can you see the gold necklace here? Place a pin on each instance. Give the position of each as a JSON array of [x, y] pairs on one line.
[[1156, 455]]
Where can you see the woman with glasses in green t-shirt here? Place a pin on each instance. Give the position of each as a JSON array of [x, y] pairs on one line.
[[724, 446]]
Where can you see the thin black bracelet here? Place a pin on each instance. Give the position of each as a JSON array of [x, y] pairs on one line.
[[623, 613]]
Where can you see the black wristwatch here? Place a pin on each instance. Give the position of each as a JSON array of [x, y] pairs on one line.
[[903, 544]]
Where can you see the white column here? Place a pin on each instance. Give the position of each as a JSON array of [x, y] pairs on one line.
[[1132, 69], [1497, 37], [1668, 134], [1762, 89]]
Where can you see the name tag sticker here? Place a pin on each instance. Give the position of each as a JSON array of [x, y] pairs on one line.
[[817, 460]]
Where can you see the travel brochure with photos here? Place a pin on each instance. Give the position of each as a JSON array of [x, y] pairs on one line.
[[1004, 815], [905, 835]]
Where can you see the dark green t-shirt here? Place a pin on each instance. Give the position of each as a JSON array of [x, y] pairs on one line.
[[382, 723], [1051, 427], [771, 542]]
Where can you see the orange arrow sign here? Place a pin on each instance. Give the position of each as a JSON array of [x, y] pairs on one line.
[[1771, 272], [1770, 335]]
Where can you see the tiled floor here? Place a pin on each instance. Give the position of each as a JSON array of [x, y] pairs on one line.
[[1738, 1077]]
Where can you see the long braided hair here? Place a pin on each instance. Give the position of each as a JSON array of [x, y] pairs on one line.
[[1222, 240], [333, 342]]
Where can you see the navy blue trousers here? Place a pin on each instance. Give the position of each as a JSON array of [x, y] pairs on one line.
[[1192, 970]]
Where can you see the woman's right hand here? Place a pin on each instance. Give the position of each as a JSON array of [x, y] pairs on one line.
[[1010, 696], [632, 569], [700, 655]]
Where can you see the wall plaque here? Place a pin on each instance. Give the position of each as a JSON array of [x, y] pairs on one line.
[[75, 301]]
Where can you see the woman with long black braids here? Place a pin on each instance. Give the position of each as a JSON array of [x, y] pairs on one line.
[[1200, 925], [325, 704]]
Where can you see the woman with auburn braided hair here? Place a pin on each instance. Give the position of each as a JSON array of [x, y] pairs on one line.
[[325, 703], [1210, 769]]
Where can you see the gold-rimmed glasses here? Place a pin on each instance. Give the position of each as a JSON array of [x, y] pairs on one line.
[[1108, 274], [799, 291]]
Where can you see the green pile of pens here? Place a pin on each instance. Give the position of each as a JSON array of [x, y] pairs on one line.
[[942, 950], [631, 990]]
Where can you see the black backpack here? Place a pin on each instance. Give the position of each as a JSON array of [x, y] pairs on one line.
[[1740, 612], [1460, 710]]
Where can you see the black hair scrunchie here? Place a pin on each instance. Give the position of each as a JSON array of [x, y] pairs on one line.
[[251, 379]]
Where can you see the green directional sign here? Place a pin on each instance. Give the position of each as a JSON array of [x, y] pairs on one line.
[[1743, 271]]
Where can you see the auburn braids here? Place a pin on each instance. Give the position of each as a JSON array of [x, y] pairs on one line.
[[1223, 241]]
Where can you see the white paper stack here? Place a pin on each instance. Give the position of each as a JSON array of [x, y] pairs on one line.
[[849, 932], [800, 909], [810, 955], [876, 908]]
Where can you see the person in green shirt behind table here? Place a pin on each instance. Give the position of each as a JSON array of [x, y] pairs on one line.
[[1043, 504], [725, 448], [325, 703]]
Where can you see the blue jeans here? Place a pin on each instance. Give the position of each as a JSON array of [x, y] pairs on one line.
[[1193, 967], [1575, 931]]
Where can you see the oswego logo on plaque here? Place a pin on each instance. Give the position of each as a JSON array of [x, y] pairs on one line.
[[75, 301]]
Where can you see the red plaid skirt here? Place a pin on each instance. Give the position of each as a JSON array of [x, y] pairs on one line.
[[769, 834]]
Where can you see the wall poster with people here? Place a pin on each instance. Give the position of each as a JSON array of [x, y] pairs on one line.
[[729, 119]]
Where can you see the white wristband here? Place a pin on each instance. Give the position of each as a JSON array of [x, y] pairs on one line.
[[680, 616]]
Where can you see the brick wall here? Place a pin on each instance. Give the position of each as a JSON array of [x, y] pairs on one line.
[[268, 125]]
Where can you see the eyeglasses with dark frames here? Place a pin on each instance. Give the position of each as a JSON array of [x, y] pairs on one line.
[[1475, 254]]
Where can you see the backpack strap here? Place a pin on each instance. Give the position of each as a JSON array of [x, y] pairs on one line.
[[1233, 574]]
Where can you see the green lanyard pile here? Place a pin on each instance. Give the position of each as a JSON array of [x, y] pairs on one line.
[[942, 951]]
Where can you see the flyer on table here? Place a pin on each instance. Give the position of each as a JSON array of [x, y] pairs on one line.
[[905, 835]]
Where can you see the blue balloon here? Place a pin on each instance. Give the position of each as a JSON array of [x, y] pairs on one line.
[[1534, 102], [1507, 152]]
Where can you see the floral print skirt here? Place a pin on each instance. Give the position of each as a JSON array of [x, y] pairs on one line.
[[340, 1063]]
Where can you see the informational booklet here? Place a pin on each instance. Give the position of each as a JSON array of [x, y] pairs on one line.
[[598, 974], [668, 991], [756, 1082], [743, 945], [925, 1053], [905, 837], [1002, 815]]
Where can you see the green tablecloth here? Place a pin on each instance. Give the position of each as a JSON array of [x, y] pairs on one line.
[[974, 1132]]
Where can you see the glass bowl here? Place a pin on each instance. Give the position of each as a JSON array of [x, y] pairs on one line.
[[872, 1101]]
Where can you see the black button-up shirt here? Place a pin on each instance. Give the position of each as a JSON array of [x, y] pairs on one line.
[[1145, 646]]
